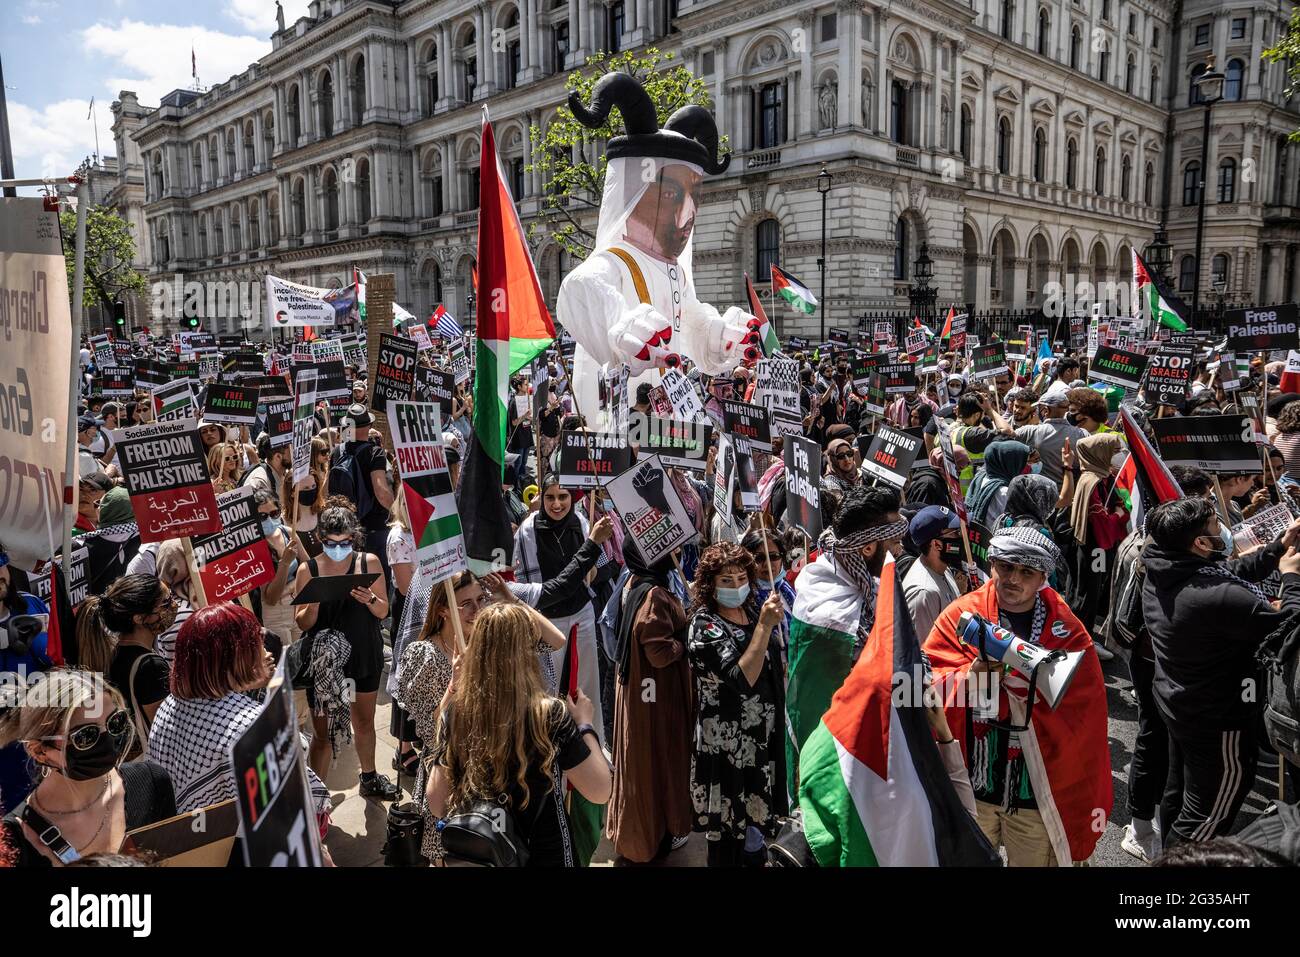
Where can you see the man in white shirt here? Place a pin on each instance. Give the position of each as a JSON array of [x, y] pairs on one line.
[[1048, 437], [929, 586]]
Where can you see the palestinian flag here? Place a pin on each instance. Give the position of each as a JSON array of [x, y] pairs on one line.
[[947, 323], [872, 785], [1151, 298], [793, 291], [1150, 473], [823, 631], [359, 280], [766, 331], [586, 820], [431, 505], [514, 326]]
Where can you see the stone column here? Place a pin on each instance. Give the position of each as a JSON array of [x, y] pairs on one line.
[[882, 75], [1256, 46], [1058, 167], [448, 176], [846, 31], [1276, 273], [446, 95], [986, 122], [804, 127]]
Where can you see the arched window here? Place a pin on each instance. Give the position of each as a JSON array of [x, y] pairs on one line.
[[1103, 66], [1219, 269], [900, 248], [431, 93], [1004, 145], [767, 249], [298, 215], [1232, 77], [326, 104], [1186, 273], [1148, 183], [1155, 85], [1193, 91], [254, 226], [295, 117], [330, 185], [249, 142], [236, 231], [358, 88], [1072, 163], [1191, 183], [1125, 178], [967, 128], [1076, 43], [1099, 171], [899, 119], [1228, 180], [1044, 32], [1130, 70], [1040, 155], [1008, 18]]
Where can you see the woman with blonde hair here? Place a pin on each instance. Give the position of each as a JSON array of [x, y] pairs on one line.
[[76, 731], [223, 466], [311, 494], [504, 738]]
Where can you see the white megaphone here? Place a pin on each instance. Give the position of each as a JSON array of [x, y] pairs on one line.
[[1055, 668]]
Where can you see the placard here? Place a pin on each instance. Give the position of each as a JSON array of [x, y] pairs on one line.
[[1263, 327], [874, 403], [436, 385], [590, 459], [679, 445], [394, 379], [683, 395], [1169, 375], [989, 360], [1216, 443], [891, 454], [117, 382], [185, 369], [898, 378], [777, 385], [277, 817], [174, 401], [420, 336], [803, 468], [231, 404], [332, 382], [293, 304], [78, 582], [149, 373], [1118, 367], [304, 424], [749, 422], [1264, 527], [166, 472], [237, 559], [426, 483], [279, 422], [651, 510]]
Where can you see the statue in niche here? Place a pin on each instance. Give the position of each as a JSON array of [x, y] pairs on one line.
[[867, 111], [828, 104], [945, 126]]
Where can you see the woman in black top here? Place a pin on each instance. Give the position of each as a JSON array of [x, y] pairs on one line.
[[116, 634], [85, 793], [357, 617]]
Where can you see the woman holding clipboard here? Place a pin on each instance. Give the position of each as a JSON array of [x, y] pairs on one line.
[[356, 614]]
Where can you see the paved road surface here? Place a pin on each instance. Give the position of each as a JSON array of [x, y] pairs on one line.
[[357, 836]]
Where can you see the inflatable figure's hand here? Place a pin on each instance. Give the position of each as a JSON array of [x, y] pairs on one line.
[[643, 337]]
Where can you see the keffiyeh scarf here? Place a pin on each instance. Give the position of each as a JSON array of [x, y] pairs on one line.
[[846, 552], [1022, 545], [329, 656], [1220, 571]]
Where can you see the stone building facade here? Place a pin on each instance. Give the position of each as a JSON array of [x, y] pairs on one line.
[[1024, 142]]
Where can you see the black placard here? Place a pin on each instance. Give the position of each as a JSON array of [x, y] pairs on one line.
[[1263, 328], [1216, 443], [898, 378], [589, 459], [749, 422], [989, 360], [1169, 375], [231, 404], [394, 372], [681, 445], [891, 454], [803, 468], [117, 381], [150, 373], [435, 385], [1117, 367]]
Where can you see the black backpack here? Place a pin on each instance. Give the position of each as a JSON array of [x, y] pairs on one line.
[[1279, 656], [1125, 622], [346, 479]]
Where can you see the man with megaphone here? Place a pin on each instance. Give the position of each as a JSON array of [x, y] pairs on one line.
[[1024, 694]]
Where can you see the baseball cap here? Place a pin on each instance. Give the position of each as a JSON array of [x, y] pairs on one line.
[[359, 414], [931, 522], [1057, 394], [85, 422]]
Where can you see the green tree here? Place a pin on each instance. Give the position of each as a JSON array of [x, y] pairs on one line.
[[110, 254], [571, 157], [1287, 52]]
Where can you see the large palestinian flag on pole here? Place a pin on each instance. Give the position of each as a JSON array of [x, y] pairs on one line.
[[793, 291], [1151, 298], [514, 326], [766, 331], [872, 785]]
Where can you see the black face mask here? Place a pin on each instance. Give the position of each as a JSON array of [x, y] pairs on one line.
[[1072, 418], [100, 758], [951, 554], [307, 496]]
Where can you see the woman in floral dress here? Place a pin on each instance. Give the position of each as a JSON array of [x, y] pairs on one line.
[[738, 774]]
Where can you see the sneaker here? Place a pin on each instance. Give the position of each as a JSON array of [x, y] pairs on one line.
[[680, 842], [378, 787], [1145, 851], [1103, 653]]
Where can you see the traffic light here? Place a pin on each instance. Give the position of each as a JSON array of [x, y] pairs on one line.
[[119, 316], [192, 323]]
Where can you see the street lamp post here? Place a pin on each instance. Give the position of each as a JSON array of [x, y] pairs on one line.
[[470, 315], [823, 187], [1209, 87], [1159, 254], [920, 293]]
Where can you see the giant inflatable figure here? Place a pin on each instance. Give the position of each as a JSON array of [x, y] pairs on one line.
[[633, 299]]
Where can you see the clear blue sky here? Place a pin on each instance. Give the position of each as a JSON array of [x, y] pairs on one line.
[[58, 54]]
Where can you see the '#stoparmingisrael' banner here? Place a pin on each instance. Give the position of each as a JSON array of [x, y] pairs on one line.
[[426, 482], [37, 344], [291, 304]]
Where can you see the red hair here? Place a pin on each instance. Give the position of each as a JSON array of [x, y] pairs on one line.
[[218, 649]]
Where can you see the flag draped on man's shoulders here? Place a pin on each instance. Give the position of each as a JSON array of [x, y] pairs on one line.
[[872, 785], [513, 327]]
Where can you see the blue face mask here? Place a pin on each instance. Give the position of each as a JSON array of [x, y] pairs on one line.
[[261, 410], [732, 597], [1036, 468], [338, 552], [269, 526]]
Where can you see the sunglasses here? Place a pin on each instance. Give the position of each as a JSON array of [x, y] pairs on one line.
[[265, 515], [841, 456], [85, 736]]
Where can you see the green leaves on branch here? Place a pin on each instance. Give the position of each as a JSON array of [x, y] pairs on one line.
[[110, 253], [571, 158], [1287, 51]]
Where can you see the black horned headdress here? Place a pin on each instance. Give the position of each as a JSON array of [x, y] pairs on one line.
[[690, 134]]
